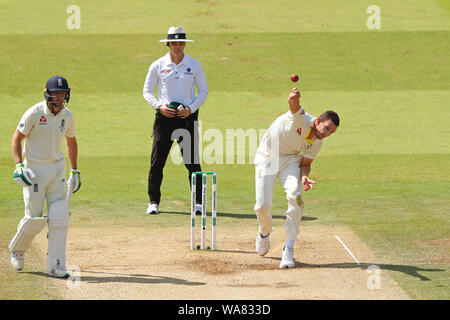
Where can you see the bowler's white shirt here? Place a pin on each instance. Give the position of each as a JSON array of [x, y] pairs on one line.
[[291, 132], [176, 82], [44, 133]]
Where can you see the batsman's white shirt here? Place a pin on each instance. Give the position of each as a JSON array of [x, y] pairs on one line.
[[176, 82], [287, 137], [44, 133]]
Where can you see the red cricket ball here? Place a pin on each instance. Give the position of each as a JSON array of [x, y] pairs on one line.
[[294, 78]]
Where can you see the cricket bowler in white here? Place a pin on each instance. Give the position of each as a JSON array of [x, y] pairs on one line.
[[286, 151], [42, 175]]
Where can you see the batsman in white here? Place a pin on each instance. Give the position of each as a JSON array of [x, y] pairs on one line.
[[286, 151], [42, 175]]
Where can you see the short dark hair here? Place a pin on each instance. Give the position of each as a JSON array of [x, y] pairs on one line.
[[331, 115]]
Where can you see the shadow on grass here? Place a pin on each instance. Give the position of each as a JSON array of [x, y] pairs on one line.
[[125, 278], [237, 215], [408, 270]]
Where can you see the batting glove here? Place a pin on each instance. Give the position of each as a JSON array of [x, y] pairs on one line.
[[74, 182], [23, 176]]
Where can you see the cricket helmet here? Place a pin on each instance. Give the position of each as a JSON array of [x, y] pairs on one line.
[[54, 84]]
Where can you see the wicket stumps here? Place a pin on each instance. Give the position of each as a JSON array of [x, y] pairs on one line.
[[204, 176]]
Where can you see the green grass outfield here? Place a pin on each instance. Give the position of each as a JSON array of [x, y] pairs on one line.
[[385, 173]]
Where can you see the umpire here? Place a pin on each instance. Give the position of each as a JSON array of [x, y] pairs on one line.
[[176, 74]]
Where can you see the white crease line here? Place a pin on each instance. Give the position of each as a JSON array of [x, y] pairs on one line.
[[348, 250]]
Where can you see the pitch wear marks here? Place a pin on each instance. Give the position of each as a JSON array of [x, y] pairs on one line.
[[176, 82], [44, 133]]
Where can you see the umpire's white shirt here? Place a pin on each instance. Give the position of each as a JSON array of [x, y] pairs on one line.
[[176, 82], [291, 132], [44, 133]]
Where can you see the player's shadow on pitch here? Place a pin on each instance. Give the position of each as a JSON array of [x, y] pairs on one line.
[[238, 215], [409, 270], [126, 278]]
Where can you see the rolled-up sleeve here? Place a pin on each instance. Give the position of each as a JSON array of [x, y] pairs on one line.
[[149, 86], [202, 87]]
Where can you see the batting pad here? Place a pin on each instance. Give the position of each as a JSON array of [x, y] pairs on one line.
[[26, 231], [58, 223]]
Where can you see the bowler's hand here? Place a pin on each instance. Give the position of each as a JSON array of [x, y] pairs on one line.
[[184, 113], [294, 98], [167, 112], [308, 183]]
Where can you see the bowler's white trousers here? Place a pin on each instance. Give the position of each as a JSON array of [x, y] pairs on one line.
[[288, 171]]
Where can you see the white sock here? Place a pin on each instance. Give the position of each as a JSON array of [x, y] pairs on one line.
[[290, 244]]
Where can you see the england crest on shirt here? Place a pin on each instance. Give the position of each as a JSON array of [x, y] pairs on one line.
[[62, 126]]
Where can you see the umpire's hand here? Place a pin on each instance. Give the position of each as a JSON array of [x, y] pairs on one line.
[[184, 113], [167, 112]]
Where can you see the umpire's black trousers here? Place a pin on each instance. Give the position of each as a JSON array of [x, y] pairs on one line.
[[164, 132]]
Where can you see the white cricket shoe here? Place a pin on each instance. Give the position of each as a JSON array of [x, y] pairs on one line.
[[152, 208], [17, 260], [198, 209], [58, 273], [262, 245], [287, 258]]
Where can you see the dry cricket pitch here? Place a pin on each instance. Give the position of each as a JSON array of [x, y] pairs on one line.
[[144, 263]]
